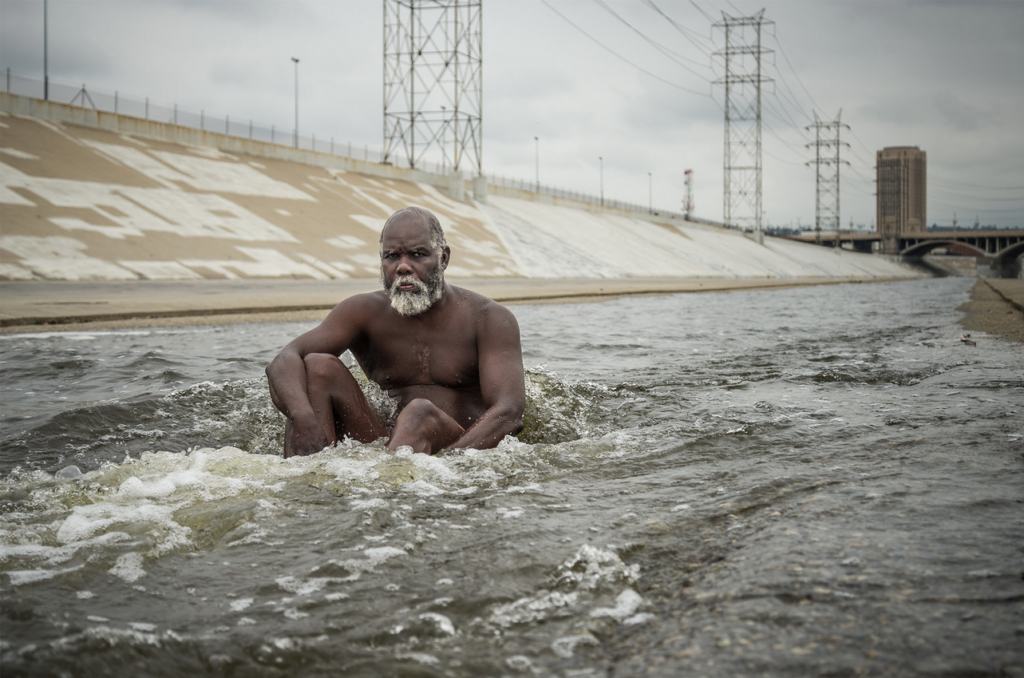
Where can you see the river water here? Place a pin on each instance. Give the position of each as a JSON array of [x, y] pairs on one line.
[[815, 481]]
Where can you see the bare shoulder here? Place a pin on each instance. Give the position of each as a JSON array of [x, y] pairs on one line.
[[365, 304], [488, 313]]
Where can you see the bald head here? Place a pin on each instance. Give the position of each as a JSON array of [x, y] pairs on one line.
[[425, 217]]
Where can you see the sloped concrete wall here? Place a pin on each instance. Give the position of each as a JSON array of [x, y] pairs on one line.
[[112, 200]]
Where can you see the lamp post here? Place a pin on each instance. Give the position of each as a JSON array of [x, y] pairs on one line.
[[600, 159], [46, 64], [296, 101], [650, 193], [536, 167]]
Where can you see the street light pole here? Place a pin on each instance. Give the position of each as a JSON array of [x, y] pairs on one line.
[[600, 159], [296, 101], [536, 169], [46, 64]]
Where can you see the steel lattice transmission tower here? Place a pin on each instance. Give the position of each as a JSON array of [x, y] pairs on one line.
[[433, 82], [742, 80], [826, 161]]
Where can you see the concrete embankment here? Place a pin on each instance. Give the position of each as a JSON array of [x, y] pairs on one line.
[[89, 203], [996, 307], [106, 304]]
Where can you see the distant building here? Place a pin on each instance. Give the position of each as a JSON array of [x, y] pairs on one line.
[[902, 184]]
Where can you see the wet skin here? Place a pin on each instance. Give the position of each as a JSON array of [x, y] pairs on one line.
[[456, 369]]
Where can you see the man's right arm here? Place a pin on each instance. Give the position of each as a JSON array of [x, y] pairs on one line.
[[286, 374]]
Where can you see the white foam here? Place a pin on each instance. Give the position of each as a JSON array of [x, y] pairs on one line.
[[532, 608], [363, 504], [443, 623], [241, 604], [129, 567], [20, 577], [305, 587], [422, 488], [421, 657], [373, 557], [626, 605], [565, 646], [641, 618]]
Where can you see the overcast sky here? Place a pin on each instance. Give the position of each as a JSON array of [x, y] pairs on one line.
[[944, 76]]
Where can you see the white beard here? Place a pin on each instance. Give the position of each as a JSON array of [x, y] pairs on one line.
[[419, 300]]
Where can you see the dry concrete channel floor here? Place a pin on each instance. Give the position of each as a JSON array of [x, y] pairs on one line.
[[25, 305]]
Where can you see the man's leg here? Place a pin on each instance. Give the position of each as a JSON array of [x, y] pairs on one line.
[[424, 427], [339, 403]]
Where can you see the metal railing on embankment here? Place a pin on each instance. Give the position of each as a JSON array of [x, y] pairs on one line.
[[146, 109]]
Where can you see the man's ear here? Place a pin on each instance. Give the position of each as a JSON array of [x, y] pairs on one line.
[[446, 255]]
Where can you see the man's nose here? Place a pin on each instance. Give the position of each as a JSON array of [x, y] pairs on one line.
[[403, 267]]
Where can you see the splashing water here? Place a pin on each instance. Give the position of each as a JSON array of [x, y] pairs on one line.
[[726, 484]]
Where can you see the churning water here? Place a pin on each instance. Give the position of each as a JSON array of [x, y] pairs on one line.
[[816, 481]]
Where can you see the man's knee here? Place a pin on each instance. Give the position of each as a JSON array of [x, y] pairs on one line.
[[323, 367], [419, 410]]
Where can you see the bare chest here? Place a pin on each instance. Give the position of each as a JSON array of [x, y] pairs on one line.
[[419, 355]]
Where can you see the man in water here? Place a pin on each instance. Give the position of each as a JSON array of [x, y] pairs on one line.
[[450, 357]]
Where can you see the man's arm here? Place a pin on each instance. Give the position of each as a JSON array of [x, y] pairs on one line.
[[286, 374], [502, 383]]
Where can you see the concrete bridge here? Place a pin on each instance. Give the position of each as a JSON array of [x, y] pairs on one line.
[[997, 248]]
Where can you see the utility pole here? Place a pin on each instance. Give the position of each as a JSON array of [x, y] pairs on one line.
[[296, 101], [650, 193], [46, 55], [826, 161], [433, 56], [688, 203], [536, 169], [742, 80]]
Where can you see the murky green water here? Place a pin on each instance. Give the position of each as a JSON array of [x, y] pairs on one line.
[[819, 481]]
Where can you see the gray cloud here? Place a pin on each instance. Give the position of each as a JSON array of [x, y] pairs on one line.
[[945, 76]]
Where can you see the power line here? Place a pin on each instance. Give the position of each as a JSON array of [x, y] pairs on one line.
[[664, 50], [798, 78], [682, 29], [933, 177], [958, 194], [631, 63], [701, 10]]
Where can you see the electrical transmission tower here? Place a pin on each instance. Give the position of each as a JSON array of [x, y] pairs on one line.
[[742, 80], [826, 159], [433, 82]]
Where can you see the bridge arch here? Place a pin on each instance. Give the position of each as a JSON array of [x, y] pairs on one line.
[[1010, 252], [922, 248]]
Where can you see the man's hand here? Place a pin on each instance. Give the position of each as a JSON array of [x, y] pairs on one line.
[[303, 436]]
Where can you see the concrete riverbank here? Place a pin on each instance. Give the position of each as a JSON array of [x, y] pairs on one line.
[[30, 306], [997, 308]]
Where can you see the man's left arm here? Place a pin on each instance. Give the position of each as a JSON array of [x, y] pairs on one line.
[[502, 383]]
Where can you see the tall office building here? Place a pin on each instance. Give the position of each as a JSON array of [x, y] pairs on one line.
[[900, 205]]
